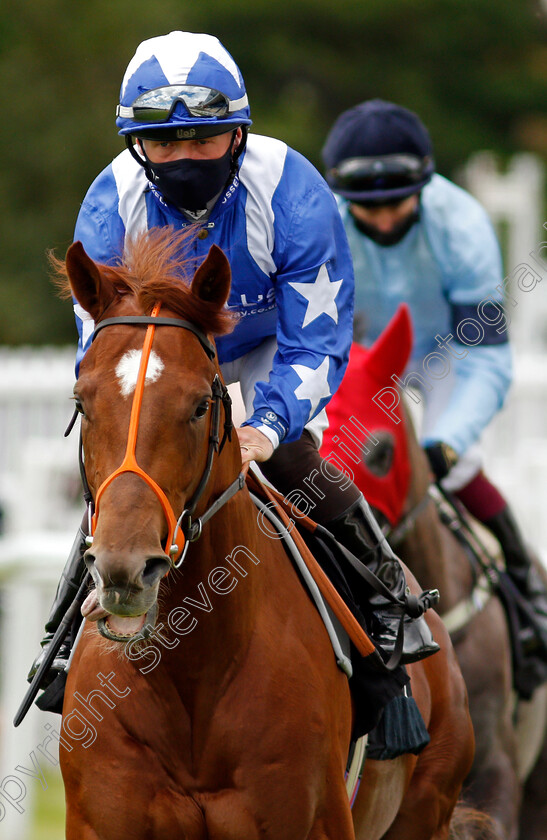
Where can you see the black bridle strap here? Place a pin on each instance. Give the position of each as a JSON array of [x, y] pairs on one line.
[[214, 442], [146, 320], [190, 529], [406, 524]]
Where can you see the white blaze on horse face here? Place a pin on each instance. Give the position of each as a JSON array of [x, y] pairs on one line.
[[127, 370]]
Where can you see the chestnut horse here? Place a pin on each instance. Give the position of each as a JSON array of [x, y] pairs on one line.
[[371, 431], [232, 720]]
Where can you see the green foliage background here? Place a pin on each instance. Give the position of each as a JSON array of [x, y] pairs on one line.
[[474, 71]]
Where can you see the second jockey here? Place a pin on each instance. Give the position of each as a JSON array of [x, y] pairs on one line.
[[417, 237]]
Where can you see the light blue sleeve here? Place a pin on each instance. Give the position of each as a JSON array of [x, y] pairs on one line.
[[467, 249], [482, 382], [464, 242]]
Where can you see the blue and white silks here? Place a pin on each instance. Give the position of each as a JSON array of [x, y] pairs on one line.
[[292, 273]]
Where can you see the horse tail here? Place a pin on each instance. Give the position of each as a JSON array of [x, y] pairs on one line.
[[468, 823]]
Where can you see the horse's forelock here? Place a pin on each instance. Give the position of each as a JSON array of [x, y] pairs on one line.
[[157, 267], [59, 275]]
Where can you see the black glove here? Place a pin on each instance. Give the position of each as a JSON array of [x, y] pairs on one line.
[[441, 458]]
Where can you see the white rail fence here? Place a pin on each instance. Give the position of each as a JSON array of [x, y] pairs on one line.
[[40, 499]]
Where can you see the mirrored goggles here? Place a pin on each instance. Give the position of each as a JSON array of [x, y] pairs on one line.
[[388, 172], [158, 104]]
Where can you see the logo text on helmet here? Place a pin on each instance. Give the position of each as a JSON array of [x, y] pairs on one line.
[[185, 132]]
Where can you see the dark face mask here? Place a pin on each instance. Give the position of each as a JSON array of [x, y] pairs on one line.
[[392, 237], [190, 184]]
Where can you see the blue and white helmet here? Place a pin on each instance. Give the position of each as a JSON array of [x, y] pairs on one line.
[[181, 86]]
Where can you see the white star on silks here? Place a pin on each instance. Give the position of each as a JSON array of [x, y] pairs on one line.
[[320, 296], [314, 383]]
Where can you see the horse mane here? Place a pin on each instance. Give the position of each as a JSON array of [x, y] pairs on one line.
[[156, 266]]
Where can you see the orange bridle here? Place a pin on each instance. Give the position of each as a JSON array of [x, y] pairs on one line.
[[129, 463], [182, 530]]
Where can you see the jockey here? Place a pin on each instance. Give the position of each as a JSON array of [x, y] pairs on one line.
[[189, 160], [417, 237]]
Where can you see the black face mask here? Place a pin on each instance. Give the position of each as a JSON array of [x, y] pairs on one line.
[[392, 237], [190, 184]]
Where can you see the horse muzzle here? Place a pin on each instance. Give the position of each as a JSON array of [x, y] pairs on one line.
[[128, 596], [122, 628], [129, 614]]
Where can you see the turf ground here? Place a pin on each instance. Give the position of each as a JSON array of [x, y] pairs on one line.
[[49, 813]]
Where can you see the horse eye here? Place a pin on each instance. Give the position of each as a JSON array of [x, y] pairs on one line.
[[79, 407], [201, 410]]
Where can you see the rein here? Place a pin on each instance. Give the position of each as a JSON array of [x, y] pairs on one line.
[[397, 534], [484, 584], [189, 530]]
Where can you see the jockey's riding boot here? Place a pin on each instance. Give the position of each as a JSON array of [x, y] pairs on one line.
[[524, 575], [358, 531], [68, 586]]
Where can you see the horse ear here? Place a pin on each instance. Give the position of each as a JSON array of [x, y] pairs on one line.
[[212, 280], [89, 287], [391, 351]]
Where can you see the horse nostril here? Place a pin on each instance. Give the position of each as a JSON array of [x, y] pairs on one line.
[[154, 569], [89, 560], [90, 564]]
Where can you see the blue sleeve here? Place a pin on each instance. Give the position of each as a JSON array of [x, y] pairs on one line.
[[102, 236], [314, 294], [101, 231]]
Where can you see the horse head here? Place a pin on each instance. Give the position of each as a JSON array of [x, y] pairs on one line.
[[369, 439], [148, 394]]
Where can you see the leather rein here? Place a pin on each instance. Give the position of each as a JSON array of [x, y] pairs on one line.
[[185, 526], [398, 532]]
